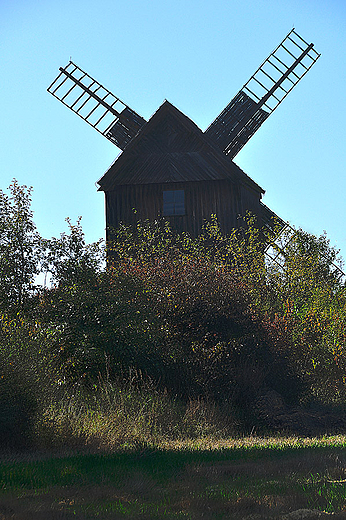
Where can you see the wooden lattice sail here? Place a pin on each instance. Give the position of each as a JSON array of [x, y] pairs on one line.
[[262, 93], [287, 238], [96, 105]]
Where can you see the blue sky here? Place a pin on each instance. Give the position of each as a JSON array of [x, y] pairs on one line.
[[197, 54]]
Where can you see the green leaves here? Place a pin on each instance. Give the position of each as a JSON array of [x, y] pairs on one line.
[[21, 248], [70, 260]]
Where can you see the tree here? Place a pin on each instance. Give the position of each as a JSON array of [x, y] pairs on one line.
[[21, 248], [308, 311]]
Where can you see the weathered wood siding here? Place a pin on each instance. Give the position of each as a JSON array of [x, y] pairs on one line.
[[227, 200]]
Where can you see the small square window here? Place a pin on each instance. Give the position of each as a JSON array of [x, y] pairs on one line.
[[173, 202]]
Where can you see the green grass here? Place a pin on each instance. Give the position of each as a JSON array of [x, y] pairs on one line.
[[234, 479]]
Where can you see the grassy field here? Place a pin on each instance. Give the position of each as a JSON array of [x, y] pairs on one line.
[[250, 478]]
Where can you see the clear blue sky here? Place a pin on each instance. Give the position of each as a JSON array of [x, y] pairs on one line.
[[195, 53]]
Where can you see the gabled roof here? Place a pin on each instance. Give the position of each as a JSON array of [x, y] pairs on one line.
[[171, 148]]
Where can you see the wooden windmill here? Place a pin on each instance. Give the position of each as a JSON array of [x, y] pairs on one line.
[[168, 166]]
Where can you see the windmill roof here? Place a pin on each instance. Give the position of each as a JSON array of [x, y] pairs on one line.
[[171, 148]]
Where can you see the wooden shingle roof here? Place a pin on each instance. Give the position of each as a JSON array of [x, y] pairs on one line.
[[171, 148]]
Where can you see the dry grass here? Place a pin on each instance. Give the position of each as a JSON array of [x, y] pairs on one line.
[[125, 417]]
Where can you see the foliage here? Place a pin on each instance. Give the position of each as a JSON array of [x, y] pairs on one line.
[[206, 319], [70, 260], [215, 344], [292, 316], [104, 325], [308, 312], [21, 248], [29, 376], [17, 406]]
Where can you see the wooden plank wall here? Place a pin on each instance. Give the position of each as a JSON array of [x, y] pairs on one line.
[[227, 200]]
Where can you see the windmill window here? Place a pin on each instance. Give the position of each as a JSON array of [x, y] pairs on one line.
[[173, 202]]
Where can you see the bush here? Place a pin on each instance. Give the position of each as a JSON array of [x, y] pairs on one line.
[[215, 344], [17, 406], [29, 377], [307, 318]]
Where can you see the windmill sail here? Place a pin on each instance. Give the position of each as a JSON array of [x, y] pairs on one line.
[[287, 239], [96, 105], [262, 93]]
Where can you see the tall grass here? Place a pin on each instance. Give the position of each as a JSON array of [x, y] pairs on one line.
[[128, 413]]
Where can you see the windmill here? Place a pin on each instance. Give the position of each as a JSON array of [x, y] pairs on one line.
[[168, 166]]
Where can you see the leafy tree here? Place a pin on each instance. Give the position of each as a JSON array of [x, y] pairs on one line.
[[102, 315], [310, 268], [70, 260], [21, 248], [308, 311]]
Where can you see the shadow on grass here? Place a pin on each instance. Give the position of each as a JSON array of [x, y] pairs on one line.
[[261, 481]]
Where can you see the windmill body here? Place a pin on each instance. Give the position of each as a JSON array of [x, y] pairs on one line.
[[173, 169], [168, 166]]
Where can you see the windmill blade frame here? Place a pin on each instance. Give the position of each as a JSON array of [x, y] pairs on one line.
[[276, 250], [91, 101], [262, 93]]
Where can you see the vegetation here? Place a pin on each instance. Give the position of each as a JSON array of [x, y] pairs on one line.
[[244, 480], [176, 343]]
